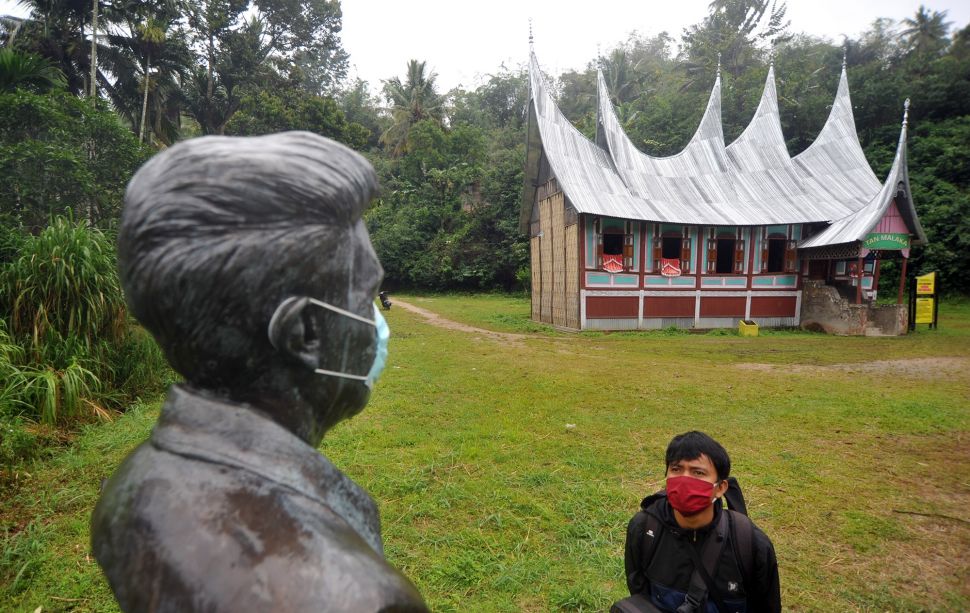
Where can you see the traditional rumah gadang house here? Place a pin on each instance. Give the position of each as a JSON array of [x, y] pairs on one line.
[[717, 233]]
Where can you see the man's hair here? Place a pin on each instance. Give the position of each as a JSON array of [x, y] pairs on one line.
[[217, 231], [691, 445]]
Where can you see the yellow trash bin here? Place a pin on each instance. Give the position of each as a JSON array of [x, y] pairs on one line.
[[746, 327]]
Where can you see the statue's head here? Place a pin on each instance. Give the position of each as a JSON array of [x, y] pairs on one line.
[[221, 236]]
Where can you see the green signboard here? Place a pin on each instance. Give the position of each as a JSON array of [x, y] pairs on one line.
[[886, 240]]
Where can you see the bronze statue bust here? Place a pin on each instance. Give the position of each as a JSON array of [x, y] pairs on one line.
[[248, 261]]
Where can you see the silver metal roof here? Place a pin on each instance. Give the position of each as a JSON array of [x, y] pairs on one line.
[[752, 181], [855, 226]]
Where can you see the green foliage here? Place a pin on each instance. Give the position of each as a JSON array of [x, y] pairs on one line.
[[59, 154], [63, 284], [266, 112], [28, 71], [67, 351]]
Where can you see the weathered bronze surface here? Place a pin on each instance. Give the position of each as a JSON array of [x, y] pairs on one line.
[[229, 506]]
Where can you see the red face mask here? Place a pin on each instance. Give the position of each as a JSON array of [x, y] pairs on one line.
[[689, 495]]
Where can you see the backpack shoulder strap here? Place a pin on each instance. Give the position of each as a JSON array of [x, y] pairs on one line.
[[742, 534], [651, 534]]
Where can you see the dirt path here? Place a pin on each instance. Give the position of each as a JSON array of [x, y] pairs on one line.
[[437, 320], [920, 368]]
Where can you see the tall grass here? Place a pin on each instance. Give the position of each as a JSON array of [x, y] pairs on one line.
[[63, 282], [68, 350]]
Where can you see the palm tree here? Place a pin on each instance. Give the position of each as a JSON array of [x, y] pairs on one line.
[[148, 59], [411, 101], [55, 30], [927, 32], [28, 71]]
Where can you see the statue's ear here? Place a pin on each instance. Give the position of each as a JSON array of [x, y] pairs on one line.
[[294, 333]]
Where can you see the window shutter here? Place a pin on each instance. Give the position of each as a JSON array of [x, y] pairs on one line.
[[711, 255], [658, 253], [791, 256], [599, 250], [764, 254], [739, 255], [628, 252], [685, 255]]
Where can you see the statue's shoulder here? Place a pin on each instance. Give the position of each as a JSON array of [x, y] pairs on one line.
[[207, 536]]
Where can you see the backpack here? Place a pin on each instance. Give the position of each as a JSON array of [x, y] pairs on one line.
[[739, 525]]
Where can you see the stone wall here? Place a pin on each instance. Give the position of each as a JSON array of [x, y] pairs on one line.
[[825, 310]]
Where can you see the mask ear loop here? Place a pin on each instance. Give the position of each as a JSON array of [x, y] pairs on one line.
[[336, 309], [346, 313]]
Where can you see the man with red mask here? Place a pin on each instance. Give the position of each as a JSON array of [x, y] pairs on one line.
[[686, 553]]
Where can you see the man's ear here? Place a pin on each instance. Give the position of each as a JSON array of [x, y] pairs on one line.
[[294, 333], [721, 488]]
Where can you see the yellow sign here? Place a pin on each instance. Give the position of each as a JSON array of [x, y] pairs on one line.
[[926, 284], [924, 310]]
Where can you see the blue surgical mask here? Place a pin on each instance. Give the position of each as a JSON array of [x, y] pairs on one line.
[[382, 335]]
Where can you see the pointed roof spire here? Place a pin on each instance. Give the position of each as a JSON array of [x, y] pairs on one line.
[[718, 64], [531, 40], [771, 58], [845, 54], [906, 113]]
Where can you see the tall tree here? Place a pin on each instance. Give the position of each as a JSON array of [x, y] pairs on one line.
[[926, 33], [412, 100]]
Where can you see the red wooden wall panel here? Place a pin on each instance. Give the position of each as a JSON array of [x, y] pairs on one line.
[[673, 306], [729, 306], [773, 306], [611, 306]]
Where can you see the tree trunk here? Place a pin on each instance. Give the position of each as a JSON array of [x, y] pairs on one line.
[[94, 49], [144, 104]]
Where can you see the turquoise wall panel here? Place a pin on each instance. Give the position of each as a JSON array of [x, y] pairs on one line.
[[636, 245], [648, 245], [762, 281], [626, 280], [735, 281], [682, 281]]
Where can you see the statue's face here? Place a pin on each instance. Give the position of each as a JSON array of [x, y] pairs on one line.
[[346, 344]]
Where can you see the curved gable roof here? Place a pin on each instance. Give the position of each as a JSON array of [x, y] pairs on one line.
[[752, 181]]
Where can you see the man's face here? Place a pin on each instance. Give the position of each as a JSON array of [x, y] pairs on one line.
[[699, 468]]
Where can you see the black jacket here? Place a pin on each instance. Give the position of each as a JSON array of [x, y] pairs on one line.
[[666, 577]]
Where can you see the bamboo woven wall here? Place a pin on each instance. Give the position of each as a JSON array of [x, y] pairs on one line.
[[572, 276], [556, 202], [546, 259], [536, 269]]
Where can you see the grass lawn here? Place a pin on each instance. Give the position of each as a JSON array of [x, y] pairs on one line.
[[853, 454]]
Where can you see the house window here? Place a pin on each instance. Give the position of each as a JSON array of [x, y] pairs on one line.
[[615, 249], [672, 247], [725, 255], [612, 244], [779, 255], [776, 255]]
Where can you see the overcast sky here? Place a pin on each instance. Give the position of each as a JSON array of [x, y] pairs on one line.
[[464, 41]]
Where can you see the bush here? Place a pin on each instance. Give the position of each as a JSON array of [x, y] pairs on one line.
[[68, 351], [60, 154]]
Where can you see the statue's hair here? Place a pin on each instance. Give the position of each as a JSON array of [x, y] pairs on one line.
[[216, 231]]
